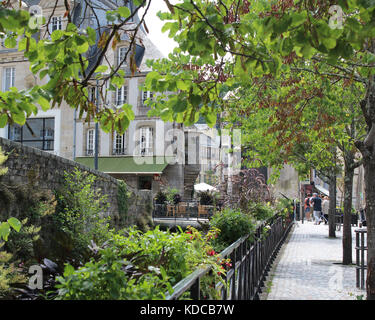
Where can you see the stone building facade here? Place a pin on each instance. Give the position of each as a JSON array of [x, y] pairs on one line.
[[60, 132]]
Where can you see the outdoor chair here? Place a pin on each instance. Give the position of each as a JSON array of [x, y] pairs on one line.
[[181, 209], [203, 210], [170, 210]]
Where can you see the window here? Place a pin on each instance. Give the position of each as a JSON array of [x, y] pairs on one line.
[[121, 55], [145, 183], [56, 23], [146, 95], [121, 95], [8, 78], [147, 141], [119, 144], [37, 133], [90, 144], [92, 94]]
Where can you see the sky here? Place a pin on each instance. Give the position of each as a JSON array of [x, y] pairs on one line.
[[154, 25]]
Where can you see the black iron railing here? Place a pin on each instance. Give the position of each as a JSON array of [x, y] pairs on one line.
[[183, 210], [361, 256], [251, 257]]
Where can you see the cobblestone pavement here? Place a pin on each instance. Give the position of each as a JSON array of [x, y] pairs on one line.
[[308, 267]]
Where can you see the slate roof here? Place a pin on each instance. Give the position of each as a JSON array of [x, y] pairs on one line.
[[145, 49]]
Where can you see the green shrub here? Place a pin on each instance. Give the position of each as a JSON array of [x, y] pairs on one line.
[[79, 216], [171, 195], [160, 198], [140, 266], [123, 202], [284, 206], [21, 244], [261, 211], [9, 275], [233, 224]]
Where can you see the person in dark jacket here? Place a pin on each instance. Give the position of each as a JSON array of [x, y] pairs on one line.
[[307, 208], [316, 203]]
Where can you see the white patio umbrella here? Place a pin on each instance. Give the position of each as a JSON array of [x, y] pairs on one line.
[[204, 187]]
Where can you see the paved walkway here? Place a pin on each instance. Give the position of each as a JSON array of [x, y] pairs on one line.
[[308, 267]]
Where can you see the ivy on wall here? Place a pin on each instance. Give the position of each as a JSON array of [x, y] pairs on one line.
[[123, 201]]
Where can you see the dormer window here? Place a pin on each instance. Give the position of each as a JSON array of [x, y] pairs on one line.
[[121, 55], [56, 23]]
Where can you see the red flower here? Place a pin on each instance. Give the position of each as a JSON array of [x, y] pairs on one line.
[[211, 252]]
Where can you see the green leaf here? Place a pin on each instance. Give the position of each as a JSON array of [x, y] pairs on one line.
[[19, 118], [44, 103], [298, 18], [83, 48], [10, 42], [128, 109], [178, 105], [43, 73], [329, 43], [15, 224], [182, 85], [4, 230], [124, 12], [56, 35], [92, 35], [3, 120], [101, 69]]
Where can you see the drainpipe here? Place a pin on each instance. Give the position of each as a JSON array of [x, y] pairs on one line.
[[74, 134]]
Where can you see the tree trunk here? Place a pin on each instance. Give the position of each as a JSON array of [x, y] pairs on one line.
[[369, 167], [332, 206], [347, 228]]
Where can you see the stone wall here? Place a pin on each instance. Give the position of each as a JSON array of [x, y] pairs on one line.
[[45, 171]]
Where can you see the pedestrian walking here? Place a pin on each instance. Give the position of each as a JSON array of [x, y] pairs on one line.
[[325, 208], [316, 204], [307, 207]]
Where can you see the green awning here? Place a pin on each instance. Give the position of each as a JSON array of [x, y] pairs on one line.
[[128, 165]]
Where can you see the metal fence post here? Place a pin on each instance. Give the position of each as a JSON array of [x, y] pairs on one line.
[[361, 247]]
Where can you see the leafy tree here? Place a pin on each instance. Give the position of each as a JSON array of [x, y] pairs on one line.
[[222, 45], [271, 38], [283, 123]]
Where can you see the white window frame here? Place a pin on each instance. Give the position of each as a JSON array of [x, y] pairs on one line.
[[146, 141], [56, 23], [121, 95], [119, 143], [146, 95], [12, 76], [90, 142], [121, 51]]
